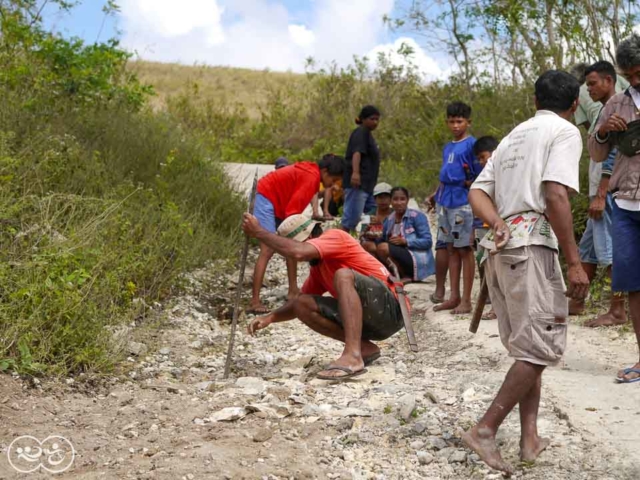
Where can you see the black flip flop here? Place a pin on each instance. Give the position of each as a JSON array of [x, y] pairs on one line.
[[349, 373], [258, 311]]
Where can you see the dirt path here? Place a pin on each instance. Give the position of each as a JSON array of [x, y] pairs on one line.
[[582, 388], [159, 419], [241, 174], [399, 421]]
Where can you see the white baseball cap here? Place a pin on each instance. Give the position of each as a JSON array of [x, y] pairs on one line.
[[382, 188]]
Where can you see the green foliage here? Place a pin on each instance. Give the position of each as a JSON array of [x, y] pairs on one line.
[[101, 200], [24, 363], [314, 116], [46, 68], [513, 41]]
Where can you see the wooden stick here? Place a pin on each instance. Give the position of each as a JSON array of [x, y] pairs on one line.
[[482, 301], [406, 315], [243, 264]]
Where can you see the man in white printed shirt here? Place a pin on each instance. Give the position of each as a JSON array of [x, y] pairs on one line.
[[523, 193]]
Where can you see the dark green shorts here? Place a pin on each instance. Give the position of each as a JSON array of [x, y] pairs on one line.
[[381, 315]]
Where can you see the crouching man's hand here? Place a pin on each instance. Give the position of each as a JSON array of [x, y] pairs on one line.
[[250, 225], [259, 323]]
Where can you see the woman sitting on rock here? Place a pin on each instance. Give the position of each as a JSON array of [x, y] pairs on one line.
[[406, 239]]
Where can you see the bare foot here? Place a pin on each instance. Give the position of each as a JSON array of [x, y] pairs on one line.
[[484, 444], [448, 305], [532, 450], [576, 307], [626, 377], [257, 308], [464, 307], [607, 320], [436, 299], [490, 316], [367, 348], [293, 294]]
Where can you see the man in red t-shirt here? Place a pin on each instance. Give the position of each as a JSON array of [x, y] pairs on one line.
[[284, 192], [363, 306]]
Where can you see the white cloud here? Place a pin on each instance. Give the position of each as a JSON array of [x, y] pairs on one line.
[[301, 35], [263, 33], [348, 28], [426, 66], [242, 33], [169, 18]]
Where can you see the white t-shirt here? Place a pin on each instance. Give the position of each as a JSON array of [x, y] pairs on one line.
[[631, 205], [589, 111], [545, 148]]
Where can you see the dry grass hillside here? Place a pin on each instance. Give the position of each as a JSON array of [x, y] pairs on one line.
[[246, 87]]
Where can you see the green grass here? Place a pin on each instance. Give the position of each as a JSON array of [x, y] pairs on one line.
[[102, 201], [248, 88], [100, 208]]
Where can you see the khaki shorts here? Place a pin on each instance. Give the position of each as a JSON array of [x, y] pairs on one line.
[[528, 295]]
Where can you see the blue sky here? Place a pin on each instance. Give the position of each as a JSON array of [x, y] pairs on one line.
[[274, 34], [84, 21]]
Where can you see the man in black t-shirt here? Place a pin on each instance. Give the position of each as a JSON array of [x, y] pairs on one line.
[[361, 172]]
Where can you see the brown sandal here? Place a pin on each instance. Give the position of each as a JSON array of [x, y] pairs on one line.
[[349, 373]]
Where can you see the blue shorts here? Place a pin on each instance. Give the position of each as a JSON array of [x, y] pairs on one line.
[[441, 245], [356, 202], [455, 226], [626, 250], [596, 245], [264, 212]]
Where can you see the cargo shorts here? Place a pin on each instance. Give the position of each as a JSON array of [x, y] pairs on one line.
[[527, 292], [381, 315]]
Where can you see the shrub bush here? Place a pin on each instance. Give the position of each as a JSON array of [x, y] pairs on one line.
[[101, 200], [315, 115]]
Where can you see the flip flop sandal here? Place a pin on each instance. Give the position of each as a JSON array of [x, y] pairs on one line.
[[627, 371], [371, 358], [257, 311], [435, 300], [349, 373]]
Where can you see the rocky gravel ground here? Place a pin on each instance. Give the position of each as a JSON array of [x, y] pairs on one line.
[[170, 415]]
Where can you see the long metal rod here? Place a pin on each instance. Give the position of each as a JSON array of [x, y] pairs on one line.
[[243, 264], [406, 315]]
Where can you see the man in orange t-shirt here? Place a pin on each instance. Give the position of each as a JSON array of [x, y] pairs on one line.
[[363, 306]]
